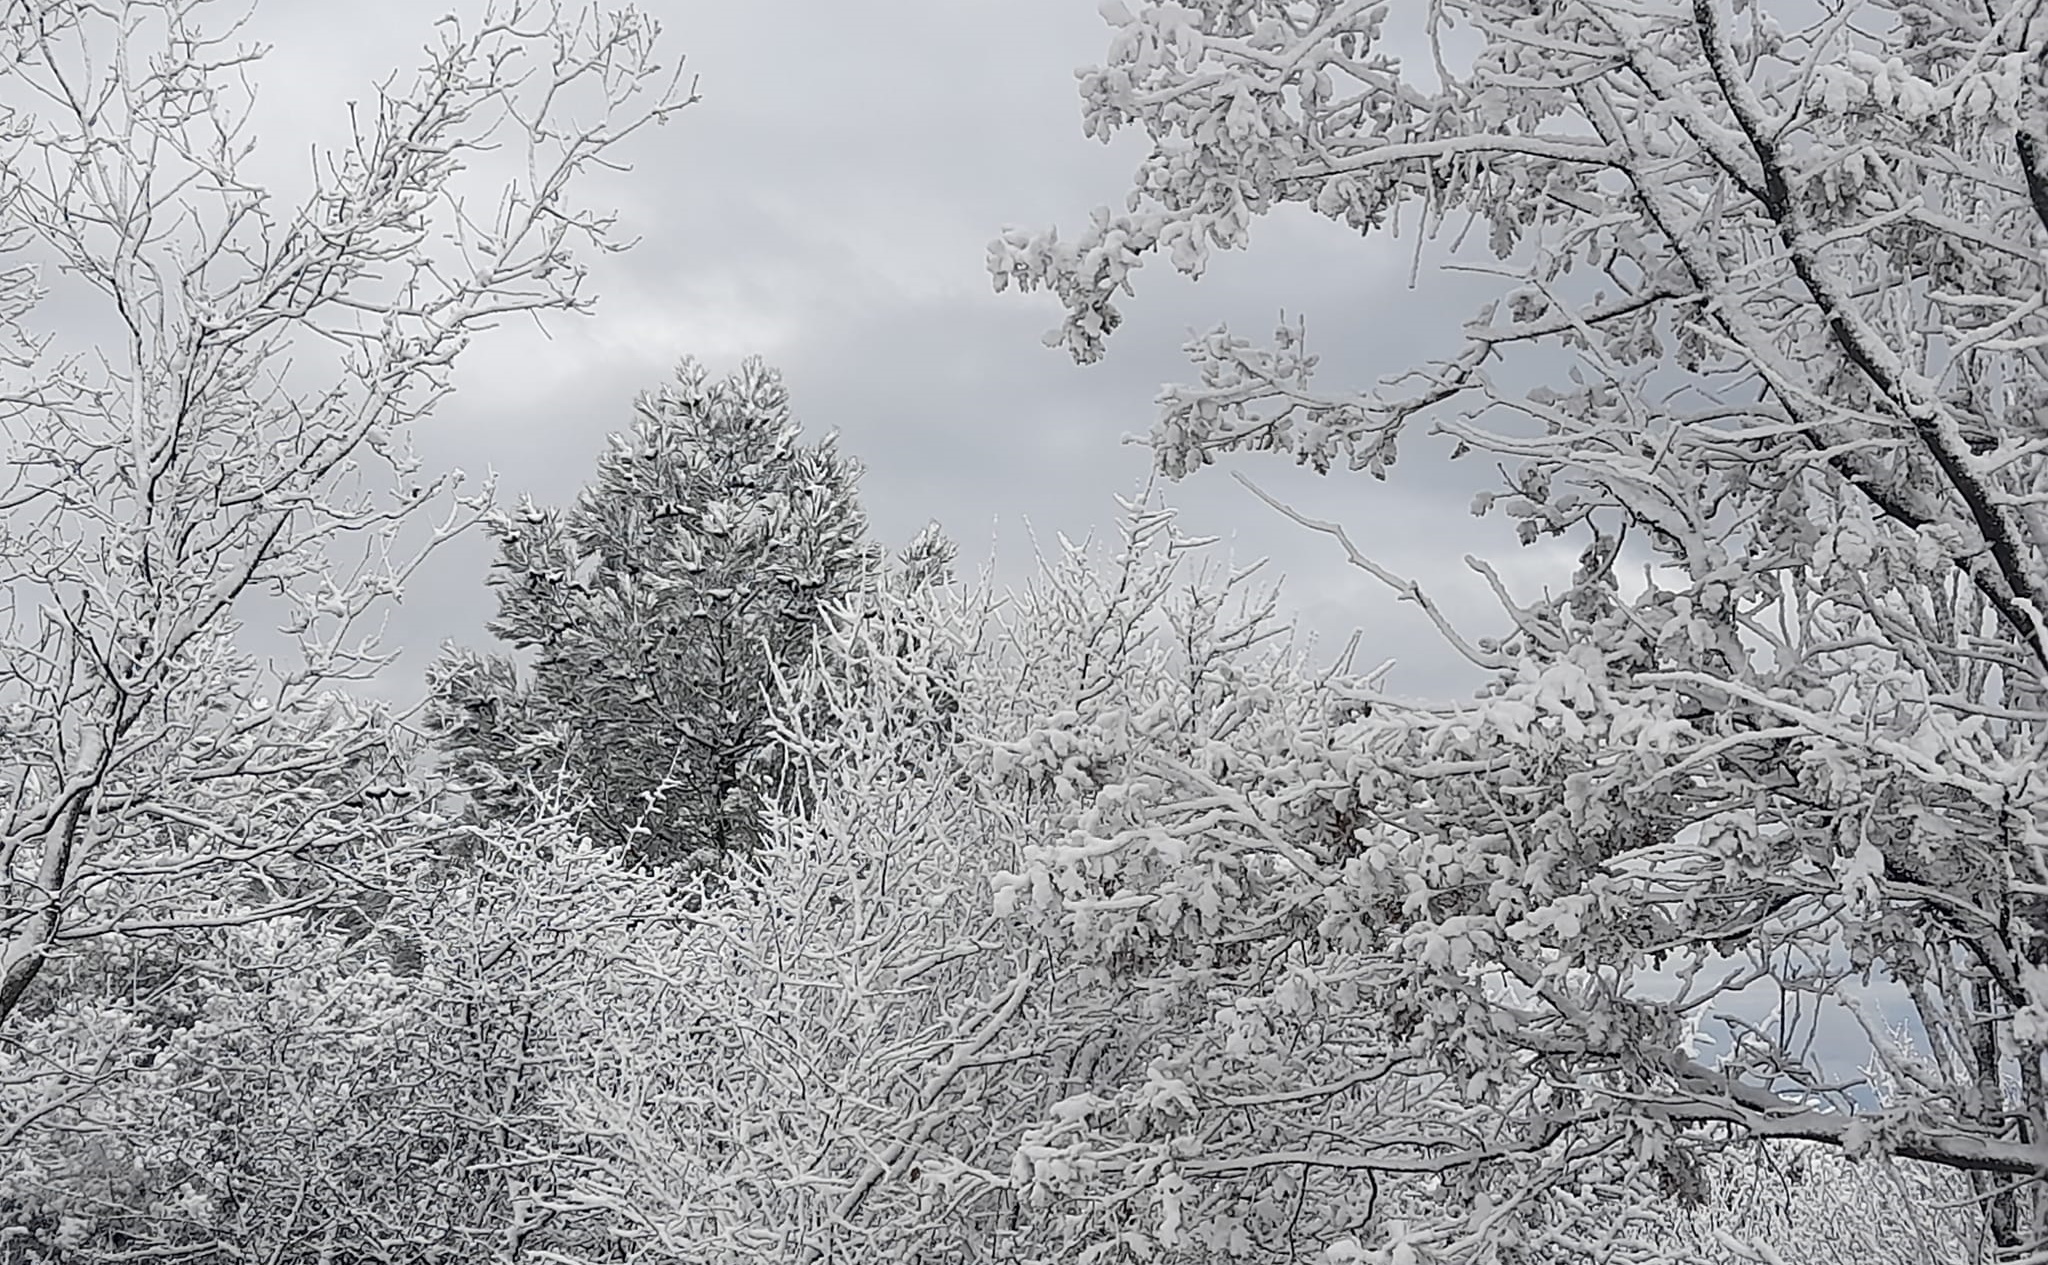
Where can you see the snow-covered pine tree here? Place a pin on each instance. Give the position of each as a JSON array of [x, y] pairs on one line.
[[700, 561]]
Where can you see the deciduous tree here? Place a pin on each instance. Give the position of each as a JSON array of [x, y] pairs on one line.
[[1762, 776], [236, 445], [882, 1053]]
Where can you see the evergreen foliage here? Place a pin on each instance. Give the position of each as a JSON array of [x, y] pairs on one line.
[[659, 609]]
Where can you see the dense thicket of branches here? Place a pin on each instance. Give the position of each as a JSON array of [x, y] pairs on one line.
[[850, 1045]]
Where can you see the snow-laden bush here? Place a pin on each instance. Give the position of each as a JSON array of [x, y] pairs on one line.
[[1061, 944]]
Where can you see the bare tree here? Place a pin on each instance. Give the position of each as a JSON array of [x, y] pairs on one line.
[[235, 440]]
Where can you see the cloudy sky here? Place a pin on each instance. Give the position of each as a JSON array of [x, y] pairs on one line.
[[828, 206]]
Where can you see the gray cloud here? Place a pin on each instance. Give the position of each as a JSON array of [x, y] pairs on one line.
[[827, 206]]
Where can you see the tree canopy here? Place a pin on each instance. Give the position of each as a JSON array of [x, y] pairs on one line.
[[1765, 768]]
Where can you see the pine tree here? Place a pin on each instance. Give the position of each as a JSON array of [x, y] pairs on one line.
[[701, 561]]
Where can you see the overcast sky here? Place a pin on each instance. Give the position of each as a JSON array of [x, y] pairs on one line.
[[828, 206]]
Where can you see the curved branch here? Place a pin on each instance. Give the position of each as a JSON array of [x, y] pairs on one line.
[[2026, 611]]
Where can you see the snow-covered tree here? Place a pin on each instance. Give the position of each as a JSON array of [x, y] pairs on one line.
[[1761, 777], [314, 1088], [858, 1029], [659, 608], [208, 422], [1805, 1201], [893, 1058]]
